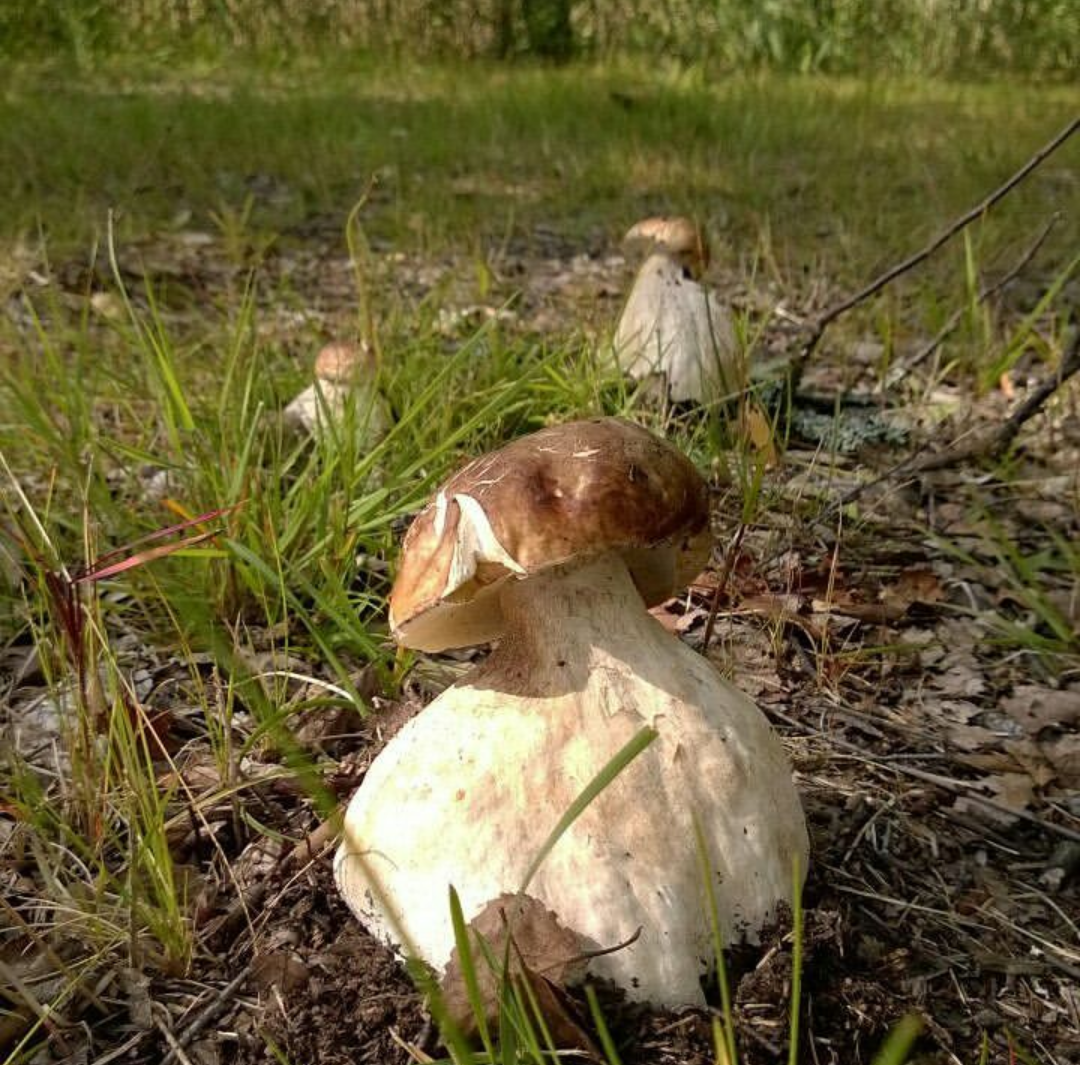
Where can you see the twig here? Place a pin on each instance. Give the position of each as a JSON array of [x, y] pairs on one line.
[[119, 1051], [209, 1013], [414, 1052], [997, 442], [898, 373], [313, 845], [958, 787], [176, 1051], [985, 446], [588, 955], [827, 317], [721, 584]]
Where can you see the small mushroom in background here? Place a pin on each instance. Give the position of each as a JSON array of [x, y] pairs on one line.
[[555, 546], [672, 330], [342, 371]]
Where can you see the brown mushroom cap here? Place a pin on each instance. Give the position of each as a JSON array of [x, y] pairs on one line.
[[341, 361], [566, 493], [680, 237]]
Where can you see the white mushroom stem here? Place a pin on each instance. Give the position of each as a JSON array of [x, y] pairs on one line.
[[326, 401], [673, 329], [469, 790]]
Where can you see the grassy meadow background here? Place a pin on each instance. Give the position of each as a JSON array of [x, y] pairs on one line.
[[196, 196]]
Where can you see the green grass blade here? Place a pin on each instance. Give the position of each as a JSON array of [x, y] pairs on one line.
[[898, 1043], [463, 941], [706, 868], [796, 959], [611, 1055]]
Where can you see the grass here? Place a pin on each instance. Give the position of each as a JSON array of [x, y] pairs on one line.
[[811, 184], [801, 175]]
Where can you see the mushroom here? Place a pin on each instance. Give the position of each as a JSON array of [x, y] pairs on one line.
[[554, 546], [342, 371], [672, 330]]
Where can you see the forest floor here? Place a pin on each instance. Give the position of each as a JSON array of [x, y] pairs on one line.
[[169, 755]]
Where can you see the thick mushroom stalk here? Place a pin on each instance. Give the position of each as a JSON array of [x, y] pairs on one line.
[[673, 331], [467, 793], [343, 373]]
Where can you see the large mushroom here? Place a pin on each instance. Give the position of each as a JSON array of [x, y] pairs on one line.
[[672, 331], [343, 372], [554, 546]]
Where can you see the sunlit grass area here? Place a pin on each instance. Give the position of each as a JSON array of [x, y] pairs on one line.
[[826, 176]]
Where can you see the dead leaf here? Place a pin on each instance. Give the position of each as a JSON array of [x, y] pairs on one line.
[[959, 679], [758, 430], [136, 987], [541, 950], [970, 737], [691, 618], [1032, 759], [1036, 708], [914, 585], [1015, 791], [281, 968], [1063, 753], [668, 618]]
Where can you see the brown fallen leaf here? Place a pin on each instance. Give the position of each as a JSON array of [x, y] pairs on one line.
[[1031, 757], [540, 950], [758, 430], [1063, 753], [1035, 708], [281, 968], [1016, 791], [916, 584], [970, 737]]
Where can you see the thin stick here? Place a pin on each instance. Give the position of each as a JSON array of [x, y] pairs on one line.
[[827, 317], [985, 446], [175, 1049], [899, 372], [721, 584], [209, 1013], [999, 440], [959, 787], [313, 845]]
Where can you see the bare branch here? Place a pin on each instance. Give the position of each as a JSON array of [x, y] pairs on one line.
[[899, 372], [832, 313], [986, 445], [997, 442], [721, 585]]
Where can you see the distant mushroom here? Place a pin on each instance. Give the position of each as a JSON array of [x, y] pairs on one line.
[[554, 546], [342, 371], [672, 331]]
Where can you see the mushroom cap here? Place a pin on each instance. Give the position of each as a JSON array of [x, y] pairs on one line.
[[566, 493], [679, 237], [342, 361]]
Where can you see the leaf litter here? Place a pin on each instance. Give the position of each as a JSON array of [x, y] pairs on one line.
[[875, 650]]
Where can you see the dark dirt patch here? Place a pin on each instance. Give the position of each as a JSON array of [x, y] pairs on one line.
[[347, 994]]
